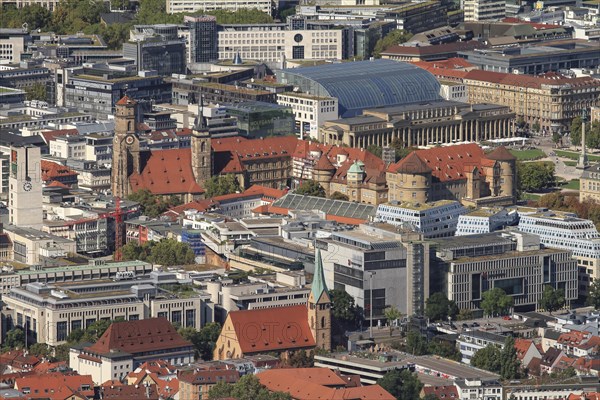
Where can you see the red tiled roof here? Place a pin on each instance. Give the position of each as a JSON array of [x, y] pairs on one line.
[[126, 100], [113, 382], [324, 164], [159, 367], [198, 205], [129, 392], [17, 359], [411, 164], [500, 154], [276, 337], [57, 184], [585, 396], [522, 346], [252, 191], [450, 63], [46, 366], [209, 376], [57, 386], [151, 334], [52, 135], [573, 337], [442, 392], [167, 172], [52, 171]]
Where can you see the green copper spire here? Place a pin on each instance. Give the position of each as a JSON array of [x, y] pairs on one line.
[[318, 283]]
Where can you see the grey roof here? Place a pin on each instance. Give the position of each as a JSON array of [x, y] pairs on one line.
[[366, 84], [338, 208]]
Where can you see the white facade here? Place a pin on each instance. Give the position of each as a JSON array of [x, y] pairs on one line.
[[454, 91], [479, 389], [66, 147], [485, 220], [484, 10], [12, 45], [471, 341], [192, 6], [25, 187], [435, 219], [310, 112], [271, 43]]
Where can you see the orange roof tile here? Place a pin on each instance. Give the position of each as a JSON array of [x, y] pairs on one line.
[[52, 135], [55, 386], [231, 153], [324, 164], [585, 396], [129, 392], [522, 346], [125, 100], [276, 337], [52, 171], [167, 172], [442, 392], [411, 164]]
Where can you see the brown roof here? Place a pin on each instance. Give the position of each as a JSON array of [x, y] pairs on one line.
[[52, 171], [129, 392], [139, 336], [500, 154], [125, 100], [56, 386], [52, 135], [529, 81], [411, 164], [442, 392], [277, 337], [324, 164], [209, 376], [167, 172]]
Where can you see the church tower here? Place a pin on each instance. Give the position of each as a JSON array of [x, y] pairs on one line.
[[126, 147], [201, 147], [319, 307]]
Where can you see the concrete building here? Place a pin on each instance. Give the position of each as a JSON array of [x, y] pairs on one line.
[[485, 220], [25, 187], [435, 219], [465, 267], [68, 147], [12, 44], [310, 112], [30, 246], [589, 184], [469, 342], [156, 48], [10, 95], [52, 311], [378, 266], [203, 42], [484, 10], [195, 6]]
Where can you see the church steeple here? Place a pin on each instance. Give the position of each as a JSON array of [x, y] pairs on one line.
[[201, 147], [126, 146], [319, 306]]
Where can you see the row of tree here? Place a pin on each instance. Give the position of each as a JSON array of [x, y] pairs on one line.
[[592, 133], [167, 252]]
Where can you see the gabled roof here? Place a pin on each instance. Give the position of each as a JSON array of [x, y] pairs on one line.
[[276, 338], [53, 171], [209, 376], [500, 154], [442, 392], [132, 337], [167, 172], [56, 386], [125, 100], [411, 164], [324, 164], [52, 135], [129, 392]]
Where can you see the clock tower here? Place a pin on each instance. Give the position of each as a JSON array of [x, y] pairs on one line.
[[126, 147], [201, 148], [25, 187]]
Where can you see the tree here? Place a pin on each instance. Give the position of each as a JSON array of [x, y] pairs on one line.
[[35, 16], [300, 359], [593, 297], [576, 131], [311, 188], [552, 299], [339, 196], [203, 340], [219, 185], [556, 137], [438, 307], [444, 349], [37, 91], [61, 353], [345, 314], [431, 396], [465, 314], [40, 350], [487, 358], [535, 176], [95, 330], [416, 344], [592, 135], [397, 36], [391, 314], [402, 385], [169, 252], [153, 205], [496, 302], [509, 364], [375, 150], [535, 127], [15, 339], [75, 336], [247, 388]]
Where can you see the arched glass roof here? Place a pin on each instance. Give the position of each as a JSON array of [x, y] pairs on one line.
[[365, 84]]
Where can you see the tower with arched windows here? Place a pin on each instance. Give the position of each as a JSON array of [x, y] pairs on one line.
[[319, 307], [201, 148], [126, 147]]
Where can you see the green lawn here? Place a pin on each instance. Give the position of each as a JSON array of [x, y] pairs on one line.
[[570, 163], [530, 196], [528, 155], [572, 185], [575, 156]]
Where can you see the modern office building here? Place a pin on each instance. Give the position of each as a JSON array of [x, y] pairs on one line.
[[203, 42], [310, 112], [470, 341], [52, 311], [156, 48], [257, 119], [196, 6], [25, 187], [10, 95], [465, 267], [379, 266], [484, 10], [12, 44], [435, 219], [486, 220]]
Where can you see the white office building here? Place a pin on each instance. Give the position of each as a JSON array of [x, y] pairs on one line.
[[310, 112], [435, 219], [485, 220], [193, 6], [484, 10]]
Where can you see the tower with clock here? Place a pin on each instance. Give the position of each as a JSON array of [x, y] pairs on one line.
[[126, 147], [25, 187]]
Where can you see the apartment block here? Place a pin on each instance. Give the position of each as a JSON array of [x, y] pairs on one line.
[[12, 44], [195, 6], [310, 112], [484, 10]]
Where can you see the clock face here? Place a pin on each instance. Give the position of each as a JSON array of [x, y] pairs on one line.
[[27, 186], [129, 139], [298, 38]]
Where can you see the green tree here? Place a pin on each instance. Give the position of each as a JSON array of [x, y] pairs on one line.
[[535, 127], [338, 196], [40, 350], [488, 358], [61, 353], [576, 131], [509, 364], [311, 188], [95, 330], [219, 185], [416, 344], [375, 150], [444, 349], [431, 396], [36, 91], [75, 336], [391, 314], [242, 16], [395, 37], [593, 297], [153, 205], [535, 176], [556, 137], [169, 252], [552, 299], [496, 302], [247, 388], [300, 359], [402, 385], [120, 5], [592, 135], [15, 339], [438, 307], [464, 315], [203, 340], [155, 12], [35, 16], [345, 314]]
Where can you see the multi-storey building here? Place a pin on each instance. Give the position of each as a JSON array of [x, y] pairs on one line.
[[431, 123], [379, 266], [471, 341], [29, 244], [484, 10], [91, 175], [12, 44], [485, 220], [467, 266], [261, 119], [203, 42], [68, 147], [156, 48], [52, 312], [25, 187], [195, 6], [589, 184], [310, 112], [419, 17], [436, 219]]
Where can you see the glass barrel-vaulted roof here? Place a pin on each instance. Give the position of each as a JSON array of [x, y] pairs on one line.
[[361, 85]]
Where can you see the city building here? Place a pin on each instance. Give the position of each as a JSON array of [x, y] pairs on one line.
[[435, 219], [10, 95], [292, 328], [471, 341], [50, 312], [25, 187], [13, 44], [260, 119], [461, 172], [429, 53], [116, 354], [195, 6], [589, 184], [156, 48], [484, 10], [310, 112], [485, 220], [464, 267], [196, 384], [430, 124], [378, 266], [388, 83], [203, 43]]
